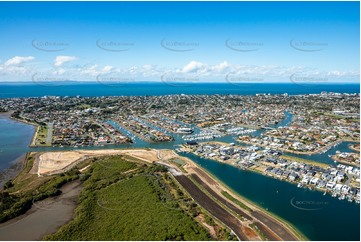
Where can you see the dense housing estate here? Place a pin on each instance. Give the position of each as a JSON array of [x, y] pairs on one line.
[[318, 120]]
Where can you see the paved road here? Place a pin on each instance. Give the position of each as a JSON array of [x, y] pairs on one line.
[[49, 135]]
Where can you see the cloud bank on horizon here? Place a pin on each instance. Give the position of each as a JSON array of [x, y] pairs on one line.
[[213, 42]]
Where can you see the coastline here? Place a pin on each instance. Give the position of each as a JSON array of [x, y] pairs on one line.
[[61, 208], [6, 114], [154, 155], [29, 123], [16, 165], [13, 170]]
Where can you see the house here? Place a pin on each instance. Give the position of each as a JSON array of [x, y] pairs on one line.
[[226, 151], [208, 147], [345, 189], [338, 188], [283, 164], [279, 172], [321, 184], [286, 174], [334, 172], [330, 185], [314, 181], [340, 176], [293, 176], [268, 169], [253, 148], [305, 180], [272, 160], [212, 154]]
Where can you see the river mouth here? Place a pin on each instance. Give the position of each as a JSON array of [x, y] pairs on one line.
[[44, 217]]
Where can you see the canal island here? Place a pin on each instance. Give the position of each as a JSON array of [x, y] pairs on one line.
[[136, 167]]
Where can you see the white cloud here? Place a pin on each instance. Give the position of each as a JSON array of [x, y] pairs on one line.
[[13, 69], [17, 60], [60, 60], [107, 68], [221, 67], [193, 66], [60, 71]]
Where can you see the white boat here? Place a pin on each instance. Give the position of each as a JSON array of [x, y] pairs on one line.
[[185, 130], [325, 193]]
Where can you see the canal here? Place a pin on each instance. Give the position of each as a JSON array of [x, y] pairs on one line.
[[318, 217]]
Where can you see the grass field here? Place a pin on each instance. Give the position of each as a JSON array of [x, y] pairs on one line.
[[40, 139], [123, 200], [301, 160]]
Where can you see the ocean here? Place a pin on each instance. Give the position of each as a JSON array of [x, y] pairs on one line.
[[30, 89], [318, 217]]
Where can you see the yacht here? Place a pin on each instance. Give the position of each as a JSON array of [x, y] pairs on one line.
[[185, 130]]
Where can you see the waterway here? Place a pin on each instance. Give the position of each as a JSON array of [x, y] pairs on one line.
[[44, 217], [318, 217], [15, 138]]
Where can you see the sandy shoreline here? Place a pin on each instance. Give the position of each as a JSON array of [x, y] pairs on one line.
[[44, 217]]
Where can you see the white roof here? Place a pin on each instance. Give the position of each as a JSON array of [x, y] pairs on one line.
[[338, 186]]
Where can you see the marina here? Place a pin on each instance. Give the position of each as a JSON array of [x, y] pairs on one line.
[[236, 177], [180, 121]]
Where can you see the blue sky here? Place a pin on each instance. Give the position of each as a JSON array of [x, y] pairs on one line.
[[203, 41]]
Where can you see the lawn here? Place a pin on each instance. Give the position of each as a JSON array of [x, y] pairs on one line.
[[40, 139]]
